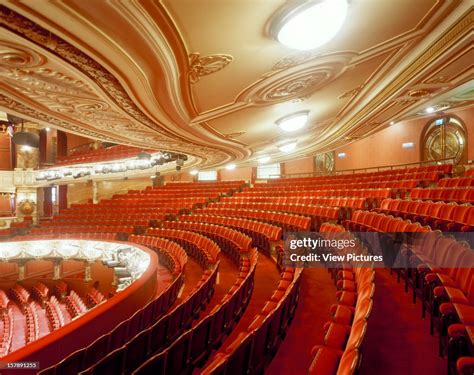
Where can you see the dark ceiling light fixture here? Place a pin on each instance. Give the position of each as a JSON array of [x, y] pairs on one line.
[[23, 138]]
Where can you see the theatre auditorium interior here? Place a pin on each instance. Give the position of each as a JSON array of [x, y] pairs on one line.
[[236, 187]]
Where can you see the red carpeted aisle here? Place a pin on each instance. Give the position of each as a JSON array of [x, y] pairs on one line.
[[266, 281], [317, 294], [398, 340], [192, 274]]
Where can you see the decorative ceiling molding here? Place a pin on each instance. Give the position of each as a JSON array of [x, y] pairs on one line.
[[203, 66], [28, 73]]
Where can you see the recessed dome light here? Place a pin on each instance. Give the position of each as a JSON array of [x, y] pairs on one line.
[[264, 159], [293, 122], [230, 167], [288, 147], [314, 25]]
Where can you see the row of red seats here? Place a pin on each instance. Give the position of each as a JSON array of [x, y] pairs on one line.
[[54, 313], [284, 220], [204, 185], [346, 202], [74, 304], [193, 347], [58, 236], [460, 195], [318, 214], [77, 209], [442, 169], [229, 240], [117, 222], [6, 336], [125, 230], [4, 301], [170, 254], [345, 332], [40, 293], [441, 270], [361, 193], [469, 172], [31, 322], [456, 182], [148, 331], [444, 216], [102, 154], [94, 298], [142, 320], [208, 250], [367, 221], [252, 350], [270, 232], [19, 294]]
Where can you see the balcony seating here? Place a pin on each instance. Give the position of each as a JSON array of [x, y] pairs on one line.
[[100, 155], [283, 220], [94, 298], [202, 248], [4, 301], [261, 233], [7, 334], [439, 215], [444, 194], [230, 241], [19, 294], [40, 293]]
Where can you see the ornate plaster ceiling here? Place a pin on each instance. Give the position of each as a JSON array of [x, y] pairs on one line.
[[205, 78]]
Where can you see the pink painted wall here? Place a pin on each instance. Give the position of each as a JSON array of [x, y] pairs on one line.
[[299, 166], [244, 173], [385, 147]]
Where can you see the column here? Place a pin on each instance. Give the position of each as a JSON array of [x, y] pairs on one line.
[[95, 192], [57, 270]]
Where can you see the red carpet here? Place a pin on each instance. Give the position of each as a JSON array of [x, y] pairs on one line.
[[398, 340], [192, 274], [266, 281], [317, 294]]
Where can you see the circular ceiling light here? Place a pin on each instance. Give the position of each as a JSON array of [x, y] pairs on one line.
[[312, 25], [293, 122], [430, 110], [230, 167], [288, 147]]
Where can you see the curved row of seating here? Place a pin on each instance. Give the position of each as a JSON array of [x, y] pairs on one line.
[[444, 216], [4, 301], [194, 346], [122, 232], [31, 320], [364, 221], [74, 304], [344, 333], [456, 182], [6, 336], [285, 221], [143, 319], [315, 192], [318, 214], [442, 169], [94, 298], [446, 194], [54, 313], [252, 350], [261, 233], [172, 256], [40, 293], [229, 240], [19, 294], [76, 236], [86, 155], [200, 247], [166, 335]]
